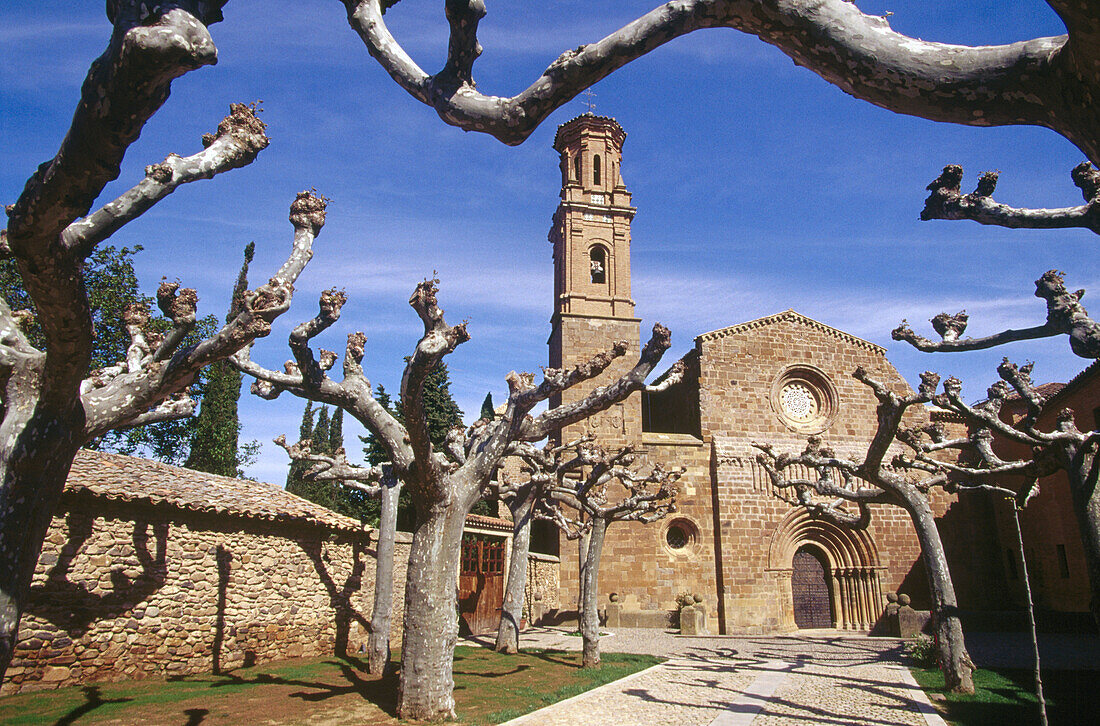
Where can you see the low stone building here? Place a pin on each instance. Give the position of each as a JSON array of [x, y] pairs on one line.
[[152, 570]]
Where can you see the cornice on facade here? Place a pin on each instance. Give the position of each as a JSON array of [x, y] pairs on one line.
[[793, 317]]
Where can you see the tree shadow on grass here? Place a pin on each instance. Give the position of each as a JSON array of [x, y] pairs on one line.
[[92, 701], [353, 678]]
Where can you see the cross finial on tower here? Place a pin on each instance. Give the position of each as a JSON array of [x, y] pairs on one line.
[[589, 100]]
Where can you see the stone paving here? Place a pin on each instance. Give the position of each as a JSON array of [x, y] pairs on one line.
[[820, 677]]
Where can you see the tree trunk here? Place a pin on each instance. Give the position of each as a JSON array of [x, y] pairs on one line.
[[512, 609], [582, 568], [37, 452], [1086, 505], [426, 690], [590, 593], [378, 645], [1030, 617], [950, 645]]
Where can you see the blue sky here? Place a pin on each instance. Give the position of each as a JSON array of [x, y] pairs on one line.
[[759, 186]]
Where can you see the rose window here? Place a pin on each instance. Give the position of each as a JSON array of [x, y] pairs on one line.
[[804, 399], [799, 401]]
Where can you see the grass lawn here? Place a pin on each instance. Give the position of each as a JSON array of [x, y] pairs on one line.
[[489, 688], [1005, 696]]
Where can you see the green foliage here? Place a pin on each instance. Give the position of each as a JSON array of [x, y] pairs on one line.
[[922, 651], [305, 430], [487, 411], [216, 431], [442, 413], [327, 435], [215, 445], [112, 286]]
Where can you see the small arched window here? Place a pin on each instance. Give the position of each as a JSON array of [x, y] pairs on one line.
[[596, 169], [597, 263], [577, 168]]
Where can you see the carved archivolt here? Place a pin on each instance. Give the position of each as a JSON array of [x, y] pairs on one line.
[[853, 567]]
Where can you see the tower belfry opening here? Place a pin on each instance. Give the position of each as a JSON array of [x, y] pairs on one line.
[[591, 239]]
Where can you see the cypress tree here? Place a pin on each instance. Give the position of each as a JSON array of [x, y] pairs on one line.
[[305, 430], [487, 407], [215, 439], [336, 431]]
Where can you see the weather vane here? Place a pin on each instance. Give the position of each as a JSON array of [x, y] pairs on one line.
[[589, 100]]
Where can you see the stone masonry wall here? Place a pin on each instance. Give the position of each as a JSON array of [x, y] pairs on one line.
[[128, 590], [737, 377], [637, 562], [542, 583]]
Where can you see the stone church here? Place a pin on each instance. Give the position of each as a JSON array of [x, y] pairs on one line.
[[759, 564]]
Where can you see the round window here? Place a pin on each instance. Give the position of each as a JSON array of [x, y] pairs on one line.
[[804, 399], [680, 536], [676, 537]]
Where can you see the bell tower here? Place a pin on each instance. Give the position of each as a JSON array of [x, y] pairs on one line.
[[591, 239]]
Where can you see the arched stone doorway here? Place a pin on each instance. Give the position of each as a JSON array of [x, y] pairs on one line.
[[847, 558], [810, 589]]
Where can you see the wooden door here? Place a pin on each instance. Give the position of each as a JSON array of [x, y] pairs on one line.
[[481, 584], [810, 590]]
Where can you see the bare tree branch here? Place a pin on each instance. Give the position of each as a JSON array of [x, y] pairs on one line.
[[947, 202], [240, 137], [333, 467], [438, 340], [116, 396], [1065, 316], [602, 397], [981, 86]]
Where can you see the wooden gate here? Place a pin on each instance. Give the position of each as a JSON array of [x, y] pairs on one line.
[[481, 583], [810, 590]]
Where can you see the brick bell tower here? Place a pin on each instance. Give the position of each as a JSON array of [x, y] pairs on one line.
[[591, 239]]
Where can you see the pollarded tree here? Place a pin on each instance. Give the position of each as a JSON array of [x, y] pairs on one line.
[[907, 480], [1072, 451], [51, 405], [588, 482], [112, 286], [444, 484], [377, 481], [520, 496]]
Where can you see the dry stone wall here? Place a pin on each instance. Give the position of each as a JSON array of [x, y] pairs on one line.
[[134, 590]]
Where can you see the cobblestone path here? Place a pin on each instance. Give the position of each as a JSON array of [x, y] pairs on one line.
[[731, 681]]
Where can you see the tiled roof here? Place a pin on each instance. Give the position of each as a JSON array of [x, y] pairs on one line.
[[1046, 390], [794, 317], [130, 479], [480, 520]]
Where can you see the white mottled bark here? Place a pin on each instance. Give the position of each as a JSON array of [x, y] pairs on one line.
[[511, 610], [590, 594], [426, 688], [955, 662], [1037, 82], [378, 643]]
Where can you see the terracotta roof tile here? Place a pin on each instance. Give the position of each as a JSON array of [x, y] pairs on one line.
[[128, 478]]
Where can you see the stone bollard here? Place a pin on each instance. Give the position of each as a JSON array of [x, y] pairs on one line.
[[910, 622], [536, 609], [701, 609], [691, 620], [890, 616], [614, 611]]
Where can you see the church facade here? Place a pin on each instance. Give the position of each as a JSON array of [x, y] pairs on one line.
[[760, 564]]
